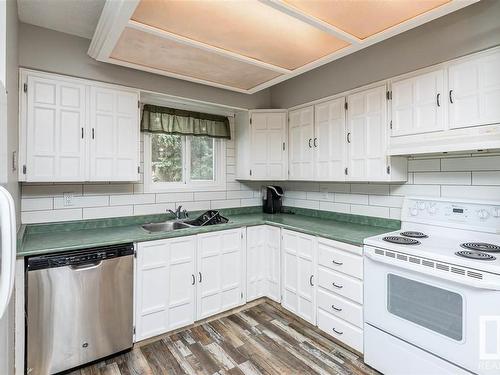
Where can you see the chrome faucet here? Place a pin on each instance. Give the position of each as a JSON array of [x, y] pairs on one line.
[[178, 213]]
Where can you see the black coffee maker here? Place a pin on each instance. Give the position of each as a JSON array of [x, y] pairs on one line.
[[273, 198]]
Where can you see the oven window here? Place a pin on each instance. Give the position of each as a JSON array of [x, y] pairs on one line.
[[434, 308]]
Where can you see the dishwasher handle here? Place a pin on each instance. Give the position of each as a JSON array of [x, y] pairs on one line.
[[86, 266]]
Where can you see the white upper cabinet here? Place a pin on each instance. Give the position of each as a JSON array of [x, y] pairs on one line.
[[74, 130], [55, 130], [418, 104], [114, 120], [329, 140], [474, 90], [367, 136], [268, 145], [301, 139]]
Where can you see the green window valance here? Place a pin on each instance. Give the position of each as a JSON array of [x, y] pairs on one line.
[[156, 119]]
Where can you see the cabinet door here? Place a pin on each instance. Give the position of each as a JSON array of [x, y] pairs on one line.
[[220, 272], [272, 262], [165, 286], [367, 124], [268, 141], [418, 104], [256, 262], [329, 142], [114, 148], [474, 91], [263, 262], [55, 136], [301, 137], [298, 268]]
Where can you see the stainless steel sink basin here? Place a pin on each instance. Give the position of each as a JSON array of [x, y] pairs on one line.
[[166, 226]]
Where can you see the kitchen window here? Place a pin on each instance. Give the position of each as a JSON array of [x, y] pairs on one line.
[[175, 162]]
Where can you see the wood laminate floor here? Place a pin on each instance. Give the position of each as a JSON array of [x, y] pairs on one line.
[[259, 340]]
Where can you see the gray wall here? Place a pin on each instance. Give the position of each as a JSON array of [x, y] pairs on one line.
[[469, 30], [56, 52]]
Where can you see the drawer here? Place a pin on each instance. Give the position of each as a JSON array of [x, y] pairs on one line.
[[341, 330], [339, 283], [340, 260], [341, 307]]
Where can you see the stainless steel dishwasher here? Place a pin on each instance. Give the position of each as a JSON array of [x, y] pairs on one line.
[[79, 307]]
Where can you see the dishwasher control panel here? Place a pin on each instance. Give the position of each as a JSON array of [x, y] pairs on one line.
[[79, 257]]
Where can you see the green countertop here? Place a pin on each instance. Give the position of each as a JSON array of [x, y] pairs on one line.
[[49, 238]]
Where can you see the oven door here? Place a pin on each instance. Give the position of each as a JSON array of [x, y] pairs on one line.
[[435, 310]]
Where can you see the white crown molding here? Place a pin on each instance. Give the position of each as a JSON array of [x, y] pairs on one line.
[[116, 16]]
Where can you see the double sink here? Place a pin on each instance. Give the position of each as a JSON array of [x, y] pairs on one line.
[[167, 226]]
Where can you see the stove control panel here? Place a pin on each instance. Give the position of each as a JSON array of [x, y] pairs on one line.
[[464, 214]]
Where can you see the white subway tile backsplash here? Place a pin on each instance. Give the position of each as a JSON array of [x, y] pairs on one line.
[[174, 197], [351, 198], [37, 204], [486, 178], [150, 209], [295, 194], [370, 210], [319, 195], [370, 189], [235, 194], [228, 203], [335, 207], [385, 200], [50, 190], [120, 200], [416, 190], [30, 217], [442, 178], [108, 189], [424, 165], [209, 195], [335, 187], [249, 202], [102, 212], [83, 201], [472, 192], [196, 206], [479, 163], [304, 203]]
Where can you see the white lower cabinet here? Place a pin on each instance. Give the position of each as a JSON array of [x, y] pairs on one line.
[[263, 262], [165, 287], [185, 279], [298, 274], [221, 276], [340, 292]]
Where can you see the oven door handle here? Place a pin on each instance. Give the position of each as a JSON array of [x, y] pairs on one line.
[[450, 277]]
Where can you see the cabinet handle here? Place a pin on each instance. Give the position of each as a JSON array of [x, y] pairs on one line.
[[437, 100], [348, 137], [93, 133], [337, 286], [451, 96], [310, 140], [336, 308], [200, 277], [194, 280], [337, 263], [315, 142], [337, 332], [82, 133], [311, 280]]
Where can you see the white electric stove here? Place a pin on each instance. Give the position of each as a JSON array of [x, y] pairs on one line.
[[432, 290]]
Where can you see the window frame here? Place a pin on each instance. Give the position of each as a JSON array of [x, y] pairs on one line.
[[219, 182]]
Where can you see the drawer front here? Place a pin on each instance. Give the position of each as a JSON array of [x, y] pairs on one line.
[[341, 307], [341, 330], [339, 283], [340, 260]]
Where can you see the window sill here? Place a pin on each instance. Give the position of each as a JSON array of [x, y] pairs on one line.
[[183, 188]]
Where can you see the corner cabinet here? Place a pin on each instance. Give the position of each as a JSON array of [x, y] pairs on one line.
[[261, 137], [75, 130]]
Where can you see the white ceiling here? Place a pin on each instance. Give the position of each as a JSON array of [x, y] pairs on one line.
[[76, 17]]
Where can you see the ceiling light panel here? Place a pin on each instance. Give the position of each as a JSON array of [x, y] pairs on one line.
[[246, 27], [148, 50], [364, 18]]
